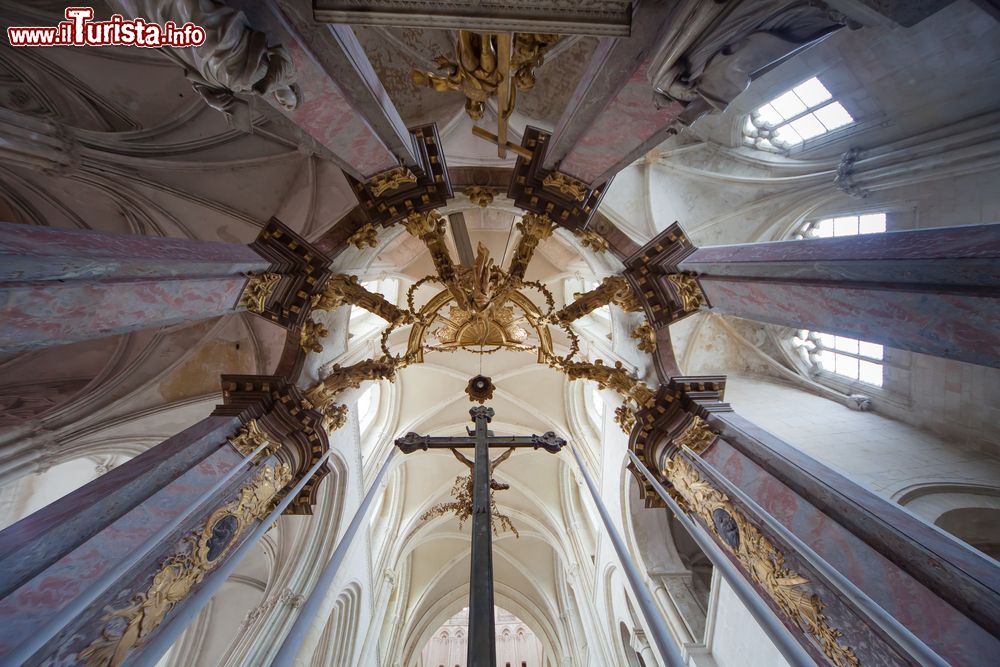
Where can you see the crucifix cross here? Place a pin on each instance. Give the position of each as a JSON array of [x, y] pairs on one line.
[[482, 633]]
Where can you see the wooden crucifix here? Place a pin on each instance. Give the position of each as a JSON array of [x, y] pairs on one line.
[[482, 633]]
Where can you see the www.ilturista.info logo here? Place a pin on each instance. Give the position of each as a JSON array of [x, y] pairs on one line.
[[79, 30]]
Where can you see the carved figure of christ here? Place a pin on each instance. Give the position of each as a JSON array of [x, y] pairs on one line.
[[482, 639]]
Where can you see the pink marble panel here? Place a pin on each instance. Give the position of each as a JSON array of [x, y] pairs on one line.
[[946, 630], [946, 324], [51, 313], [629, 123], [327, 115], [30, 252]]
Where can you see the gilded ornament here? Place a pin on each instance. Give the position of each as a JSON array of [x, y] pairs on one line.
[[334, 416], [366, 236], [310, 335], [646, 336], [250, 437], [343, 289], [534, 228], [258, 290], [688, 290], [179, 573], [489, 65], [592, 240], [625, 418], [392, 179], [614, 377], [613, 289], [761, 558], [697, 436], [479, 195], [424, 223], [351, 377], [567, 185]]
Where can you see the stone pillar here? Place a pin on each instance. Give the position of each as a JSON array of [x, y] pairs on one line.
[[60, 286], [92, 576], [934, 291], [854, 577]]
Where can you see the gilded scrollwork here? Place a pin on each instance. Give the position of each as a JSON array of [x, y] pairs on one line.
[[625, 418], [534, 228], [688, 290], [342, 378], [252, 436], [334, 416], [697, 436], [646, 336], [389, 180], [479, 195], [614, 377], [567, 185], [762, 559], [592, 240], [343, 289], [179, 573], [258, 290], [365, 237], [613, 289], [310, 335]]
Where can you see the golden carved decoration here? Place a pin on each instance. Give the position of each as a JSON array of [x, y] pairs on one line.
[[567, 185], [343, 289], [697, 436], [489, 65], [480, 389], [391, 179], [534, 228], [258, 290], [334, 416], [461, 492], [498, 328], [310, 335], [351, 377], [366, 236], [479, 195], [625, 418], [424, 223], [250, 437], [613, 289], [179, 573], [688, 290], [762, 559], [614, 377], [592, 240], [646, 336]]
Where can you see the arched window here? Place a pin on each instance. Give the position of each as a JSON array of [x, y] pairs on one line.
[[805, 112], [848, 358], [842, 225], [595, 406]]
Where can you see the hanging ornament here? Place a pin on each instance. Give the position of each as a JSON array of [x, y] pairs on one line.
[[480, 389]]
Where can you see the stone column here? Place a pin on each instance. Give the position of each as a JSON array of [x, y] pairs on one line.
[[91, 577], [854, 577], [60, 286], [934, 291]]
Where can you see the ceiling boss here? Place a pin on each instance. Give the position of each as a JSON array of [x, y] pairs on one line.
[[489, 65]]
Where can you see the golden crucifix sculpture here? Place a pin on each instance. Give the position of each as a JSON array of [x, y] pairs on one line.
[[489, 65]]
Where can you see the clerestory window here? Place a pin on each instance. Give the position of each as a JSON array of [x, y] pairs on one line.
[[805, 112], [849, 358], [843, 225]]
